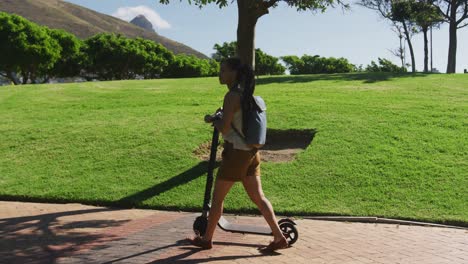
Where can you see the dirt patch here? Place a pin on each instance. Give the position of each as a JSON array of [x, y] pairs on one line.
[[203, 151], [281, 145]]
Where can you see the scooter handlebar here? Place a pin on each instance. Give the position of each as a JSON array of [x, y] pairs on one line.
[[216, 116]]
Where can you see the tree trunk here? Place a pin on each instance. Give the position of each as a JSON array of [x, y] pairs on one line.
[[401, 52], [33, 78], [249, 12], [426, 50], [12, 77], [410, 46], [246, 33], [46, 79], [452, 53], [25, 77]]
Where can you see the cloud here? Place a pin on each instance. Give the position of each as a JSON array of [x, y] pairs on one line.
[[128, 13]]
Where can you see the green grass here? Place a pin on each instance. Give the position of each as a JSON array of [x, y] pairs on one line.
[[389, 146]]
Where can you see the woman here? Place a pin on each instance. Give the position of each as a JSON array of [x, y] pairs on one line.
[[240, 162]]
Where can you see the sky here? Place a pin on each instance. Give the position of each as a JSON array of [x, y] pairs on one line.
[[358, 34]]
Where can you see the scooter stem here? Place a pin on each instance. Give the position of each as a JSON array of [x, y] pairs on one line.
[[211, 167]]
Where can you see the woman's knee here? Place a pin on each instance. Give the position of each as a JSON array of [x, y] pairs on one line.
[[259, 199]]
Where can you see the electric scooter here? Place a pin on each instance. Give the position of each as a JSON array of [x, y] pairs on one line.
[[287, 226]]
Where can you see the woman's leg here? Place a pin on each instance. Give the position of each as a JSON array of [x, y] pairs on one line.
[[221, 189], [253, 186]]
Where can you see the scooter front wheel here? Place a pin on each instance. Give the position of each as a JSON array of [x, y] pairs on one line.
[[199, 226]]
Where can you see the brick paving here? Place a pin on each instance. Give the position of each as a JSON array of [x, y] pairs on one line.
[[74, 233]]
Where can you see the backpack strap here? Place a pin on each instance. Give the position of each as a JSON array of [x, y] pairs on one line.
[[237, 131], [243, 138]]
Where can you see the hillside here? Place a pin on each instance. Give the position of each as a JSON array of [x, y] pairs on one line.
[[84, 22]]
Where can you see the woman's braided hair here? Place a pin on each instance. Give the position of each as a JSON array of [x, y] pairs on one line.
[[245, 78]]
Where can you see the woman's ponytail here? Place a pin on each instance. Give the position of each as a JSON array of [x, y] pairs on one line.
[[246, 79]]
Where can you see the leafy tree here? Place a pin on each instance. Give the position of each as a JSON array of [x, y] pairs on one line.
[[214, 68], [250, 11], [454, 12], [110, 56], [422, 14], [156, 58], [68, 65], [384, 66], [104, 56], [113, 56], [390, 9], [224, 51], [426, 16], [27, 49], [265, 64], [402, 11], [294, 64]]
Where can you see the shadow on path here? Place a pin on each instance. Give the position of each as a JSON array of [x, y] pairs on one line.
[[41, 239], [190, 250]]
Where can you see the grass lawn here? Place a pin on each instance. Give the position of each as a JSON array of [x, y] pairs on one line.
[[388, 146]]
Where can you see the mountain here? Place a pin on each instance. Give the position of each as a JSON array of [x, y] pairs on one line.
[[142, 22], [84, 22]]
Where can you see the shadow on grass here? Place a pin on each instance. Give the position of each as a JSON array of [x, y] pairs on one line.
[[131, 201], [288, 139], [181, 179], [364, 77]]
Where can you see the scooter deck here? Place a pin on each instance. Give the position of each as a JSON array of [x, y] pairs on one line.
[[247, 229]]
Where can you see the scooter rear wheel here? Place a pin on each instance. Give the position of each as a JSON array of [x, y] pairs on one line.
[[289, 231]]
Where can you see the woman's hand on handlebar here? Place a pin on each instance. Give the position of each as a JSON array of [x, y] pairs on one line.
[[216, 116]]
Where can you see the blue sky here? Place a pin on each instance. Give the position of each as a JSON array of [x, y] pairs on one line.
[[359, 34]]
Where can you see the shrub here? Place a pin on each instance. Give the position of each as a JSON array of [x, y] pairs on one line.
[[185, 66], [384, 66], [315, 64]]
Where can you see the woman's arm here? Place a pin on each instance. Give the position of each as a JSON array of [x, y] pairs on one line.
[[230, 106]]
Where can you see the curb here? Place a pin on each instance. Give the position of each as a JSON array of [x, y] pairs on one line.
[[378, 220]]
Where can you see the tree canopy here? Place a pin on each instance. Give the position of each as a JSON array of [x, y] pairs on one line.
[[110, 56], [250, 11], [27, 49], [265, 63], [68, 63]]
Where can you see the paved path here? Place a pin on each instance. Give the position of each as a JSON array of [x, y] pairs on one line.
[[74, 233]]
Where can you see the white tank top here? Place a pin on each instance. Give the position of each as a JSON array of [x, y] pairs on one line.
[[232, 136]]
